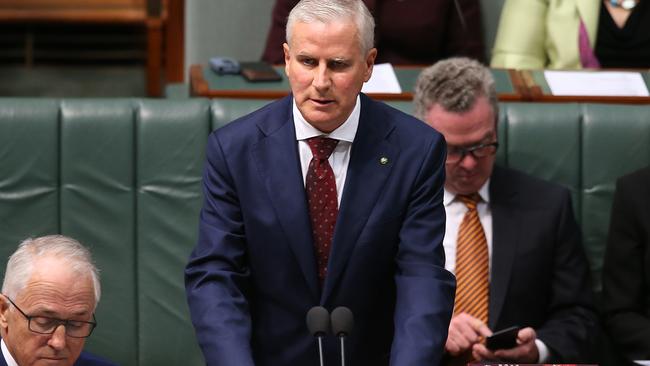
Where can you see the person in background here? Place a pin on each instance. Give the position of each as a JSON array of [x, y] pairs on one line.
[[416, 32], [47, 306], [626, 271], [324, 197], [573, 34], [511, 239]]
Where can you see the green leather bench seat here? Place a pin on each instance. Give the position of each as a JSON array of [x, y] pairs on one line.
[[124, 177]]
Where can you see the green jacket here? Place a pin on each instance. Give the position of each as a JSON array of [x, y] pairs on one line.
[[538, 34]]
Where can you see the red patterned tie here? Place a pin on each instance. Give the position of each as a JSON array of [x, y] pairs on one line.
[[321, 196]]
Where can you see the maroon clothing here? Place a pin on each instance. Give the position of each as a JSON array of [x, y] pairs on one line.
[[407, 31]]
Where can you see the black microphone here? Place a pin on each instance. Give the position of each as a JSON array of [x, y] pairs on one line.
[[342, 324], [318, 323]]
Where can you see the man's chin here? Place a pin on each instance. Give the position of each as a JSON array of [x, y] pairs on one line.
[[325, 122], [466, 189]]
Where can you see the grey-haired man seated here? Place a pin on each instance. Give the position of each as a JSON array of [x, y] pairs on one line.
[[49, 295]]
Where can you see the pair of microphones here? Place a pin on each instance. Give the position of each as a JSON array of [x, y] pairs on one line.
[[320, 323]]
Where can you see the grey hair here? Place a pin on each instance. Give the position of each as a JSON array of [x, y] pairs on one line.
[[21, 264], [310, 11], [455, 84]]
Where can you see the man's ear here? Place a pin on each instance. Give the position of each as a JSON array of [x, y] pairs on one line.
[[287, 58], [285, 48], [4, 311], [370, 62]]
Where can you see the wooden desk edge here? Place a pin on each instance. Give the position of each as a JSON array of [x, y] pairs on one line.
[[199, 88]]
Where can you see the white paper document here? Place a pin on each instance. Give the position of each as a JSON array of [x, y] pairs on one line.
[[596, 83], [642, 362], [383, 80]]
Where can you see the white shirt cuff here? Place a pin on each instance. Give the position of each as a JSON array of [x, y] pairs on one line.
[[542, 350]]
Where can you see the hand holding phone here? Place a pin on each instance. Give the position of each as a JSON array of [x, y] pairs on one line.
[[503, 339]]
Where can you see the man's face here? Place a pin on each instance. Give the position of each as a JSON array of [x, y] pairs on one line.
[[52, 291], [467, 129], [326, 70]]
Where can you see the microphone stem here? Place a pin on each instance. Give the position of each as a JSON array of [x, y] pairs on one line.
[[320, 350], [342, 352]]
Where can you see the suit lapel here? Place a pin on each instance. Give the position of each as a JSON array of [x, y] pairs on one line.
[[365, 178], [279, 165], [506, 229]]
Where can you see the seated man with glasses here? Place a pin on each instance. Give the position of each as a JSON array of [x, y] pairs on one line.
[[47, 306], [511, 240]]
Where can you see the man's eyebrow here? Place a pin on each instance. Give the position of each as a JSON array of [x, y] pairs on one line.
[[53, 314], [485, 139], [338, 59]]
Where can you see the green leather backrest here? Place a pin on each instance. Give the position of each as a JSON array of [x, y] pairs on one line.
[[615, 140], [124, 177], [584, 147]]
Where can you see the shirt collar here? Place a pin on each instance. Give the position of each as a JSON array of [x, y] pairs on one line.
[[8, 357], [344, 132], [484, 192]]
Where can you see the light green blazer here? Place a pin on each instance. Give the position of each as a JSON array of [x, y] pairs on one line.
[[538, 34]]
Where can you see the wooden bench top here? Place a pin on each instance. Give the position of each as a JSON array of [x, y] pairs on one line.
[[102, 11]]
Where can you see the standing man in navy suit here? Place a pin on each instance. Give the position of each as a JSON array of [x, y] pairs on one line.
[[274, 242], [536, 271], [47, 306]]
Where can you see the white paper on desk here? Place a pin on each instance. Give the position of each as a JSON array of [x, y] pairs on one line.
[[642, 362], [383, 80], [596, 83]]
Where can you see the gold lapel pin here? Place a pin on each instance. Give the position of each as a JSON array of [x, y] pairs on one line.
[[383, 160]]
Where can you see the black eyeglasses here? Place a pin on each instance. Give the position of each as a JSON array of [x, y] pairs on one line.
[[456, 154], [47, 325]]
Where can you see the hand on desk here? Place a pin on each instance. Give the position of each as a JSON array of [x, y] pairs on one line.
[[525, 351]]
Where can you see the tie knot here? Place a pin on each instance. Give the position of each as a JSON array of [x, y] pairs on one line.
[[322, 147], [470, 200]]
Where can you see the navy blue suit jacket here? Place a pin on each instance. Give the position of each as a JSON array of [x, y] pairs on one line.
[[252, 277]]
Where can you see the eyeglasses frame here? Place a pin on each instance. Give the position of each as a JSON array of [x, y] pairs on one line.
[[59, 321], [470, 150]]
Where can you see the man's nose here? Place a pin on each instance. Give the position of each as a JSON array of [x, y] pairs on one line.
[[321, 79], [469, 161], [57, 340]]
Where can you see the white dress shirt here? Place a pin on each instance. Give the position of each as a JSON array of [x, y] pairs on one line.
[[5, 352], [340, 158], [455, 210]]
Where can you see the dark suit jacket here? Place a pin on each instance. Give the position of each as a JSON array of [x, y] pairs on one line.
[[407, 32], [540, 274], [85, 359], [252, 276], [626, 272]]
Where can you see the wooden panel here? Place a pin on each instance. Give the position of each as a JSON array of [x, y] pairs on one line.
[[68, 4], [108, 11], [175, 42], [75, 16], [150, 13]]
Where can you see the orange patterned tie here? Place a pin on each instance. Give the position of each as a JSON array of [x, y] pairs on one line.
[[472, 264]]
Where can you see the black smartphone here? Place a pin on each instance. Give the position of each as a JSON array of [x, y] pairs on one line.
[[503, 339], [259, 71]]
